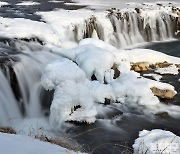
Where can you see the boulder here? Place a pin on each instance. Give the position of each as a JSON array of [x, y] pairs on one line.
[[163, 93], [140, 67]]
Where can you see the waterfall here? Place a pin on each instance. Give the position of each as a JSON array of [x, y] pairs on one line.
[[9, 109], [126, 28], [25, 58], [25, 97]]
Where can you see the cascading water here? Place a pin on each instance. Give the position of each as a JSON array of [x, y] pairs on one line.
[[27, 71], [132, 27], [9, 109]]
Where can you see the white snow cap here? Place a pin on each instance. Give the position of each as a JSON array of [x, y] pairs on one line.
[[157, 141]]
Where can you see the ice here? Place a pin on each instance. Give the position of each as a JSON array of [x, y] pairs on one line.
[[157, 141]]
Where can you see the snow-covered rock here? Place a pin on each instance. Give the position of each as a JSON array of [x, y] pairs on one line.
[[157, 141]]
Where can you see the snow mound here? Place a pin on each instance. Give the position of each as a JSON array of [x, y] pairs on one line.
[[59, 71], [19, 144], [71, 91], [157, 141]]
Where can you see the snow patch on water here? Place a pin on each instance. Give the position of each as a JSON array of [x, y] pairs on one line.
[[28, 3]]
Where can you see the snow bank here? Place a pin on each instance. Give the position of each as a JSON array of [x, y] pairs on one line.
[[25, 28], [157, 141], [150, 56], [19, 144]]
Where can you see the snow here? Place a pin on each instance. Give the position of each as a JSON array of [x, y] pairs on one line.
[[150, 56], [157, 141], [59, 71], [17, 28], [19, 144], [71, 89], [3, 3], [65, 28], [169, 70], [154, 76], [95, 57], [28, 3]]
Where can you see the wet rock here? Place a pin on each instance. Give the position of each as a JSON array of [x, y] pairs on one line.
[[163, 93], [138, 10], [93, 77], [107, 101], [162, 65], [162, 114], [116, 71], [178, 66], [140, 67]]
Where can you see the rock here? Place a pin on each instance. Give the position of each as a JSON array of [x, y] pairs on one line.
[[162, 114], [163, 93], [107, 101], [140, 67], [116, 71], [162, 65], [178, 66], [138, 10]]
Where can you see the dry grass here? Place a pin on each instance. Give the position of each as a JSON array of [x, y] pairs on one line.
[[8, 130], [61, 142]]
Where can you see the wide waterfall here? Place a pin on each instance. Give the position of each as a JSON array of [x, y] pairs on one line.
[[131, 27]]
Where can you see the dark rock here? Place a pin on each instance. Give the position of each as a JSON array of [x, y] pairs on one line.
[[116, 71], [162, 114], [107, 101]]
